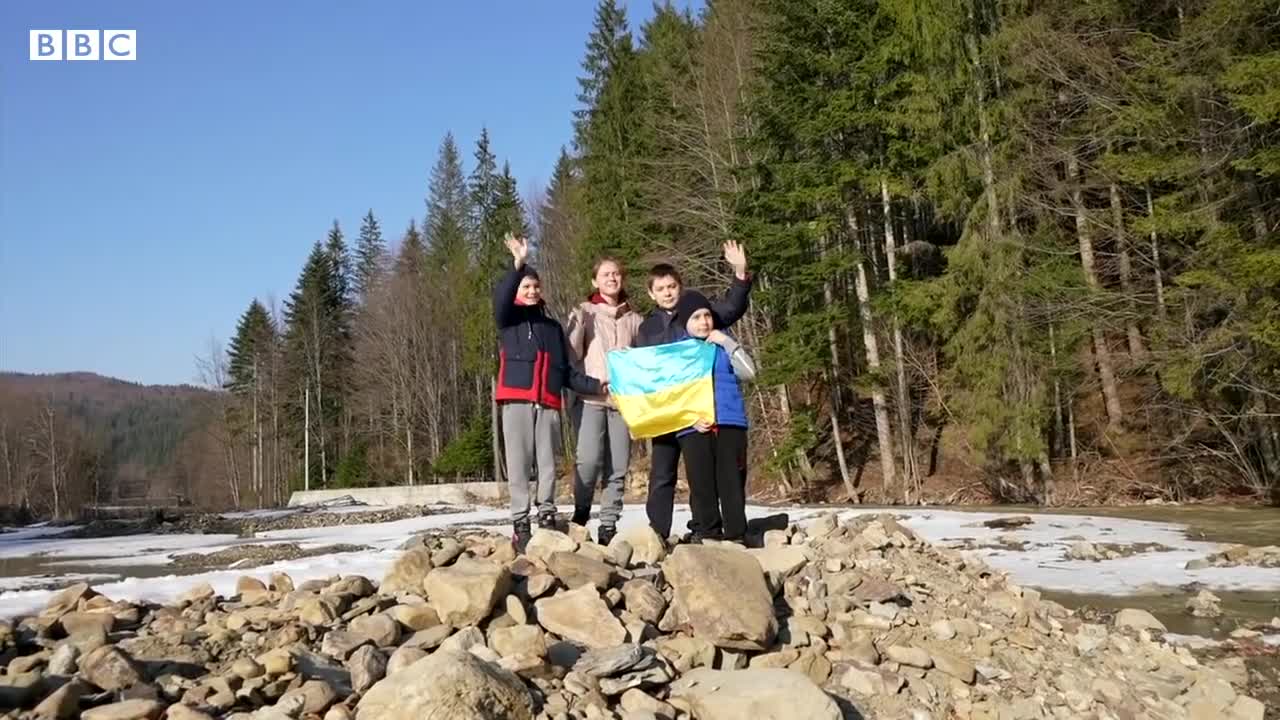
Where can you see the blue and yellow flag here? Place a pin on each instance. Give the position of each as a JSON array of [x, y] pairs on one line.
[[664, 388]]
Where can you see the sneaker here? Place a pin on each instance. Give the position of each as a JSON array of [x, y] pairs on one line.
[[581, 515], [547, 521], [605, 534], [520, 538]]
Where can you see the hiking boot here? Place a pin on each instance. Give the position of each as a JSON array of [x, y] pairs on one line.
[[605, 534], [547, 520], [520, 538], [581, 515]]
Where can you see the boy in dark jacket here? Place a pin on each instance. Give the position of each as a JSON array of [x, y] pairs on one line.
[[715, 449], [660, 327], [533, 368]]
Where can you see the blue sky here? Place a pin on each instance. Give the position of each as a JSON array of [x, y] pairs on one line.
[[144, 204]]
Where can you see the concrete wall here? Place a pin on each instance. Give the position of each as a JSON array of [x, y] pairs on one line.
[[456, 493]]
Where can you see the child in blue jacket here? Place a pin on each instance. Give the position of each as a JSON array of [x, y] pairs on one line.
[[715, 449]]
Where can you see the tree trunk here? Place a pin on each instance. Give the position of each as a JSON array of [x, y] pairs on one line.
[[883, 430], [902, 396], [1101, 352], [833, 347], [1136, 348], [306, 438], [1059, 430], [1155, 261], [495, 427]]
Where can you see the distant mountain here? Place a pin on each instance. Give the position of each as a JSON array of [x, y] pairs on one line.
[[135, 430]]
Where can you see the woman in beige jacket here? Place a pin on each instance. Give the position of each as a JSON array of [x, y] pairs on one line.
[[604, 322]]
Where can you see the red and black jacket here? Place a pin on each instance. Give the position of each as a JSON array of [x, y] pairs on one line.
[[534, 357]]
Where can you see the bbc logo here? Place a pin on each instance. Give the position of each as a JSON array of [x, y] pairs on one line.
[[84, 45]]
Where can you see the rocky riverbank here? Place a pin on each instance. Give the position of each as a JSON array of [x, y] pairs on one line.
[[248, 524], [863, 619]]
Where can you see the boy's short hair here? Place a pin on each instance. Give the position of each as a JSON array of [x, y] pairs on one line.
[[532, 274], [662, 270], [595, 267]]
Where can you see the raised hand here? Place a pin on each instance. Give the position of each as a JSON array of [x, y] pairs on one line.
[[737, 258], [519, 248]]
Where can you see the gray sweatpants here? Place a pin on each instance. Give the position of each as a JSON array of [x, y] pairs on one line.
[[604, 447], [530, 433]]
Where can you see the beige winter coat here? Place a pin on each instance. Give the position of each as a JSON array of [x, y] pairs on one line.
[[596, 328]]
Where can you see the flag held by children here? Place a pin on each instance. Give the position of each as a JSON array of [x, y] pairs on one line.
[[663, 388]]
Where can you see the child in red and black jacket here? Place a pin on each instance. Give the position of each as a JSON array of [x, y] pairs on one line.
[[533, 368]]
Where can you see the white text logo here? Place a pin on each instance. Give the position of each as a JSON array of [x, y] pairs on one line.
[[84, 44]]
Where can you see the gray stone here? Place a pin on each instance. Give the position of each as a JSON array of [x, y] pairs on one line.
[[912, 656], [644, 601], [466, 592], [407, 573], [576, 570], [367, 666], [453, 685], [614, 661], [403, 657], [723, 591], [110, 668], [340, 644], [1138, 619], [518, 640], [317, 696], [757, 694], [381, 630], [126, 710], [581, 616], [544, 543]]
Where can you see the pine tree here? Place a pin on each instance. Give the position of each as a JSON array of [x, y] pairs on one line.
[[449, 215], [343, 273], [250, 370], [610, 141], [448, 206], [316, 353], [371, 256], [607, 47]]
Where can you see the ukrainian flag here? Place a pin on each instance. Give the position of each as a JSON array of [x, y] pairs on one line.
[[663, 388]]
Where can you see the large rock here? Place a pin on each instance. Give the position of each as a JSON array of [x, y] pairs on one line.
[[77, 623], [545, 543], [783, 561], [403, 657], [518, 640], [367, 666], [1138, 619], [724, 594], [765, 694], [576, 570], [465, 592], [415, 617], [317, 696], [62, 703], [581, 616], [110, 668], [407, 573], [448, 685], [646, 547], [381, 629], [127, 710], [644, 601], [69, 599]]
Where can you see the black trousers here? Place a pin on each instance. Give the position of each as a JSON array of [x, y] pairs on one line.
[[663, 463], [716, 464]]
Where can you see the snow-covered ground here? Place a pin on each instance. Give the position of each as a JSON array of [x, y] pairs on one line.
[[1041, 564]]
